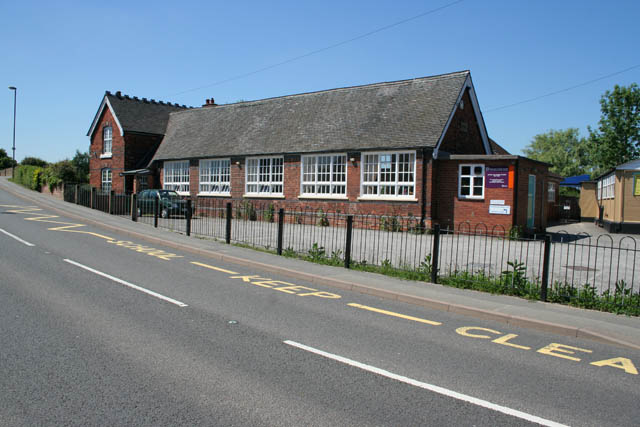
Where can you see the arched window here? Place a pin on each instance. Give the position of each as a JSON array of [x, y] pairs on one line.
[[106, 139]]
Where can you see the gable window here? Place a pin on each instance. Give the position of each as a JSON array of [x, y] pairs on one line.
[[324, 175], [388, 174], [606, 187], [215, 177], [265, 176], [106, 180], [107, 134], [551, 191], [471, 182], [176, 176]]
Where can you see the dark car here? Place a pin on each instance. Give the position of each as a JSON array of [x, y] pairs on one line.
[[170, 203]]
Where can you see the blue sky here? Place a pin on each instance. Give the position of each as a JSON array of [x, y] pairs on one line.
[[63, 55]]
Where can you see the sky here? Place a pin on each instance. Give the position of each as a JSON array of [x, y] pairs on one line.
[[63, 55]]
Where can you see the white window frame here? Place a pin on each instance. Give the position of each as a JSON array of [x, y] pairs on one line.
[[176, 176], [264, 176], [551, 192], [374, 184], [472, 176], [106, 181], [107, 140], [311, 174], [607, 187], [214, 177]]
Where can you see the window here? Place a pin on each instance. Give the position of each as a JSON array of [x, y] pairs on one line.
[[636, 184], [388, 174], [265, 176], [606, 187], [551, 192], [215, 177], [471, 182], [176, 176], [106, 139], [106, 180], [324, 175]]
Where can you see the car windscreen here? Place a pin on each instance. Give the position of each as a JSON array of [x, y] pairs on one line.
[[166, 194]]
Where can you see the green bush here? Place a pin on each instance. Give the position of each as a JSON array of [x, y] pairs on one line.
[[29, 176]]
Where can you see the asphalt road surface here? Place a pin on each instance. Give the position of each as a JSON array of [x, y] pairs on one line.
[[97, 329]]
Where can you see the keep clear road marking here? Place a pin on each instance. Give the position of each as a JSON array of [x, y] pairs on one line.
[[130, 285], [16, 237], [213, 268], [430, 387], [391, 313]]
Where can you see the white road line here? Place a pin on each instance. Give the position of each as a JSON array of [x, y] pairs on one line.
[[16, 237], [131, 285], [426, 386]]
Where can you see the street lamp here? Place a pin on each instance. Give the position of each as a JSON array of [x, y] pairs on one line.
[[13, 164]]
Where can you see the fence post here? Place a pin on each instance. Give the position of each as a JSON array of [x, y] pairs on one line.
[[134, 207], [75, 197], [280, 229], [93, 196], [436, 253], [228, 230], [188, 217], [111, 201], [545, 267], [156, 208], [347, 243]]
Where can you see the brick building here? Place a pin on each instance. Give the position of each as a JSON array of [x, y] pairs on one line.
[[411, 148], [124, 135]]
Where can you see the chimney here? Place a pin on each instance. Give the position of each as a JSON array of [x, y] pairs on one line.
[[119, 94], [210, 102]]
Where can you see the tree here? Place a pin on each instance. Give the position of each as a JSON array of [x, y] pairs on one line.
[[5, 161], [33, 161], [565, 150], [617, 139], [80, 163]]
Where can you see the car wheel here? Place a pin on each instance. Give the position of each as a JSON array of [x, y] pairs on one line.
[[165, 213]]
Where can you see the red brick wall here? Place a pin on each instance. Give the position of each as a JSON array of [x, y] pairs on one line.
[[291, 189], [463, 135], [115, 163], [452, 211]]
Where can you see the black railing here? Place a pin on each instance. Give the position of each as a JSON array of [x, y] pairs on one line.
[[554, 266]]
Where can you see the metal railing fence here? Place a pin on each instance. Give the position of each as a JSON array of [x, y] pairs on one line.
[[563, 264]]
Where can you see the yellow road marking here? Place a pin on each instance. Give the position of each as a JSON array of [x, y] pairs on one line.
[[213, 268], [391, 313]]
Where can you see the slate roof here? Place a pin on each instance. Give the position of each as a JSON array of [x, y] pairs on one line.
[[139, 115], [497, 148], [403, 114]]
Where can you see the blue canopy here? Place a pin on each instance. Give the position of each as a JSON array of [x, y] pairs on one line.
[[575, 181]]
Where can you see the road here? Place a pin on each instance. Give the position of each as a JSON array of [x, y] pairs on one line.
[[98, 329]]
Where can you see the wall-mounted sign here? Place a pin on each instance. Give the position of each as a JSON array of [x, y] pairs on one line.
[[496, 177], [500, 209], [496, 202]]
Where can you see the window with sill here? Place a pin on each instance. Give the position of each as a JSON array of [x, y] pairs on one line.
[[264, 176], [107, 134], [324, 175], [176, 176], [388, 174], [106, 180], [215, 177], [471, 182], [606, 187]]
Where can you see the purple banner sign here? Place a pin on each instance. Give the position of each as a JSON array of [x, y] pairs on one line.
[[496, 178]]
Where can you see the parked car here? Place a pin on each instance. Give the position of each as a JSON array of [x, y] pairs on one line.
[[171, 203]]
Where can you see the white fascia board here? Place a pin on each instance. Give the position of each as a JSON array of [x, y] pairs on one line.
[[105, 103], [468, 84]]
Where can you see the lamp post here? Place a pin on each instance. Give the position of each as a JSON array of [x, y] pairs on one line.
[[13, 164]]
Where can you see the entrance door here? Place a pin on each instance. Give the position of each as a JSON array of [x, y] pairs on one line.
[[531, 201]]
